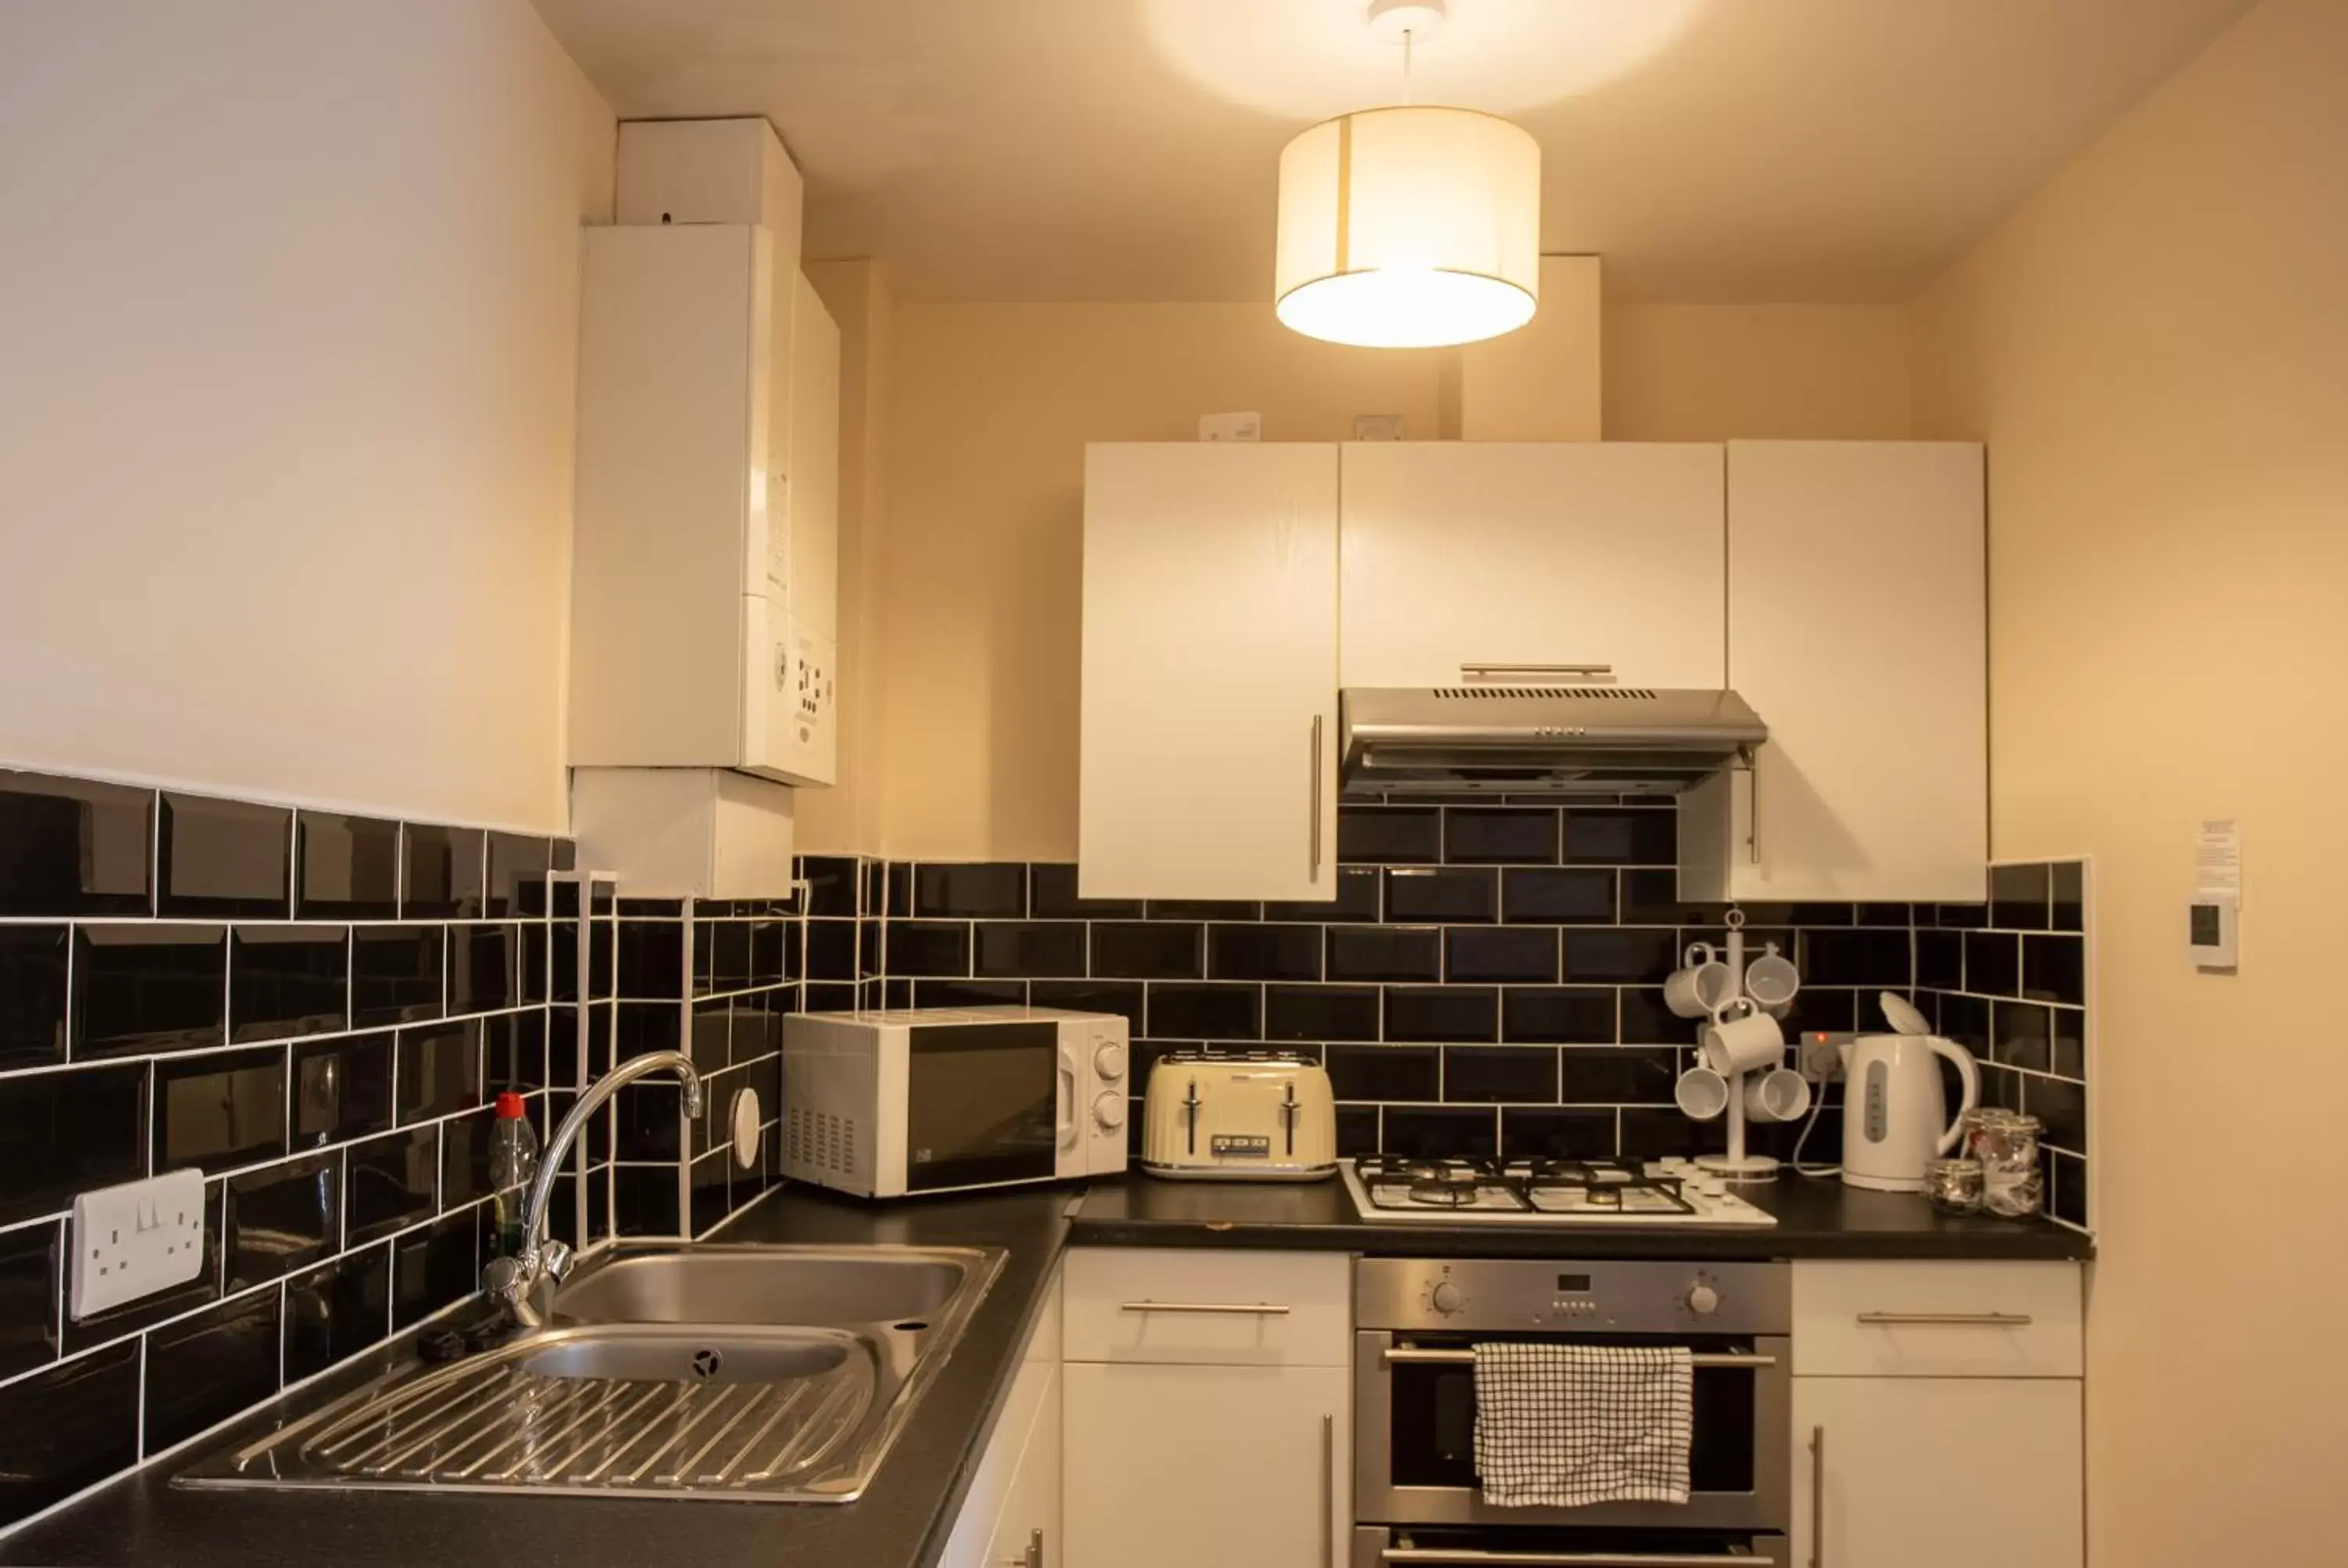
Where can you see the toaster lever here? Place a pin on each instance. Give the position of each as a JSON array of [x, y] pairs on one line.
[[1191, 1113], [1288, 1110]]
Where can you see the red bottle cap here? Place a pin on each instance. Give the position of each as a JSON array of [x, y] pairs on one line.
[[509, 1107]]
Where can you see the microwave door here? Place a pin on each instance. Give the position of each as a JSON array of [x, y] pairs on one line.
[[982, 1105]]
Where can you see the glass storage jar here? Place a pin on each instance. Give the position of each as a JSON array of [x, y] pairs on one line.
[[2006, 1144], [1954, 1186]]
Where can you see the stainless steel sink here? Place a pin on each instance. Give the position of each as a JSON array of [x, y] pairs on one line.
[[752, 1373], [764, 1285]]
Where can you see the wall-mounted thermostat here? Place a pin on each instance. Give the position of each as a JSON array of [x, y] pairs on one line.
[[2215, 919]]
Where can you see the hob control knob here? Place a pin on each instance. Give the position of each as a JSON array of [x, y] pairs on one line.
[[1109, 1061], [1702, 1300], [1446, 1297], [1108, 1110]]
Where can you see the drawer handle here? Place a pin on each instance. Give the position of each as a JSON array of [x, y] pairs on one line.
[[1260, 1309], [1947, 1319], [1466, 1358], [1573, 1559]]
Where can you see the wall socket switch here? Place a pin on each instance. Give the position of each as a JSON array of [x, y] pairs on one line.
[[1820, 1061], [135, 1239]]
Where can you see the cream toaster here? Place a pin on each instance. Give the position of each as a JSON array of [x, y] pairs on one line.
[[1265, 1116]]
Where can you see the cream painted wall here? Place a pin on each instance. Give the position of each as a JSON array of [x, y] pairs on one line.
[[992, 406], [289, 296], [845, 819], [2156, 349], [1714, 373]]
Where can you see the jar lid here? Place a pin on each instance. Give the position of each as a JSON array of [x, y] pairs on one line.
[[1997, 1118]]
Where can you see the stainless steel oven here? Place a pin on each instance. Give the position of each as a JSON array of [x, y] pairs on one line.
[[1418, 1322]]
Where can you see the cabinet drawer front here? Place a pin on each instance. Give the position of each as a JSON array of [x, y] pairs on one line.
[[1937, 1319], [1224, 1308]]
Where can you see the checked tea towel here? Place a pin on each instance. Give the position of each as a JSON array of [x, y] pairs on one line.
[[1565, 1426]]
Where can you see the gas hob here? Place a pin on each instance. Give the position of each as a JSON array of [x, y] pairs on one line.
[[1403, 1189]]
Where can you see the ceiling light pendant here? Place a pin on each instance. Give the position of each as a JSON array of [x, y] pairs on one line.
[[1410, 226]]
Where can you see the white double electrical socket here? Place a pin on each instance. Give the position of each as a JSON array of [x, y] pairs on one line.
[[1820, 1061], [135, 1239]]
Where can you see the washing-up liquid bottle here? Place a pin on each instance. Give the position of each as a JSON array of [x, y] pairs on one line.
[[513, 1164]]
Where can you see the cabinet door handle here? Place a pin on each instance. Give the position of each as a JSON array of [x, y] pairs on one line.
[[1469, 672], [1817, 1497], [1328, 1492], [1316, 797], [1245, 1309], [1947, 1319], [1031, 1558]]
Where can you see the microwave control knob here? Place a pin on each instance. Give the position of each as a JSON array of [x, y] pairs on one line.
[[1702, 1300], [1109, 1061], [1108, 1110], [1445, 1297]]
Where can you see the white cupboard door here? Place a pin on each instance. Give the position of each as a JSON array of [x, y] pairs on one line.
[[1027, 1531], [1556, 553], [1208, 758], [1171, 1466], [1937, 1473], [1857, 626]]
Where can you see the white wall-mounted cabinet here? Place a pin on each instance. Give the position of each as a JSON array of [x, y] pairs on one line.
[[1858, 630], [675, 833], [1459, 553], [1209, 684], [1207, 1405]]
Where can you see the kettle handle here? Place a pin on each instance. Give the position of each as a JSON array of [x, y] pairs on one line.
[[1968, 1075]]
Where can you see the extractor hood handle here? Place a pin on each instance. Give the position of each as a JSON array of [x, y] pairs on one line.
[[1505, 671]]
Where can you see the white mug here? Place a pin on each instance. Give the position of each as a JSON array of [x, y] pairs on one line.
[[1701, 1094], [1772, 980], [1741, 1039], [1701, 990], [1780, 1094]]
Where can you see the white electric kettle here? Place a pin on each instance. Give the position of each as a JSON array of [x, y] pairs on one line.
[[1895, 1113]]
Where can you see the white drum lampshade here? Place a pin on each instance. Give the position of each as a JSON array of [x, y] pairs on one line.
[[1409, 228]]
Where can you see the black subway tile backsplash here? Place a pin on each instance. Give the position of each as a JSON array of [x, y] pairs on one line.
[[1385, 953], [65, 1131], [389, 1181], [220, 858], [288, 980], [1500, 1074], [1479, 953], [1022, 948], [439, 1070], [1385, 1071], [1450, 893], [1137, 950], [1638, 835], [1180, 1010], [2055, 969], [1052, 896], [1444, 1133], [33, 995], [1357, 898], [1519, 834], [435, 1265], [1541, 1132], [31, 1260], [2019, 897], [1320, 1012], [995, 891], [346, 867], [148, 988], [1624, 955], [219, 1110], [69, 847], [1389, 835], [281, 1217], [934, 948], [1568, 896], [1992, 963], [67, 1428], [1442, 1014], [440, 872], [1583, 1015], [342, 1089], [396, 973], [517, 865], [336, 1310], [1264, 952]]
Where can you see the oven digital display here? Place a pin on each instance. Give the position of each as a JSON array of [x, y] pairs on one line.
[[1573, 1284]]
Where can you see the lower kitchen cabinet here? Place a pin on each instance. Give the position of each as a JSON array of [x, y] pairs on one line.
[[1171, 1466], [1938, 1472], [1010, 1514]]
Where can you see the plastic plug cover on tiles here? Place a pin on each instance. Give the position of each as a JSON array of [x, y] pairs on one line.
[[135, 1239]]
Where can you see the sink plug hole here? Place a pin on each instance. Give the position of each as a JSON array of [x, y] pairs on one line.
[[707, 1362], [912, 1326]]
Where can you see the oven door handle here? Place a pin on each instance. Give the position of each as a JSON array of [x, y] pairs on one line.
[[1573, 1559], [1701, 1358]]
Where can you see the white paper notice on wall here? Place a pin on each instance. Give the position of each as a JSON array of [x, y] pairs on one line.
[[2214, 920], [1231, 428]]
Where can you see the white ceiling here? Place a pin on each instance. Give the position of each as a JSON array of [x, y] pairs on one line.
[[1710, 149]]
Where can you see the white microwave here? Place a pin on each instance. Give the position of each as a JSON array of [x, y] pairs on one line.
[[902, 1101]]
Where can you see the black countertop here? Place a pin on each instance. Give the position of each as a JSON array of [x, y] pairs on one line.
[[1814, 1219], [903, 1519], [901, 1522]]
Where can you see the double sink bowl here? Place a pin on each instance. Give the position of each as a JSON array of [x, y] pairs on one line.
[[766, 1374]]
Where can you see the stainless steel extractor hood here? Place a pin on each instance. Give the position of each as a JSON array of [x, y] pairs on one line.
[[1540, 740]]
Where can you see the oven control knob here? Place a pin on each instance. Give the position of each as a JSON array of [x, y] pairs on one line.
[[1108, 1110], [1702, 1300], [1446, 1297], [1109, 1061]]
